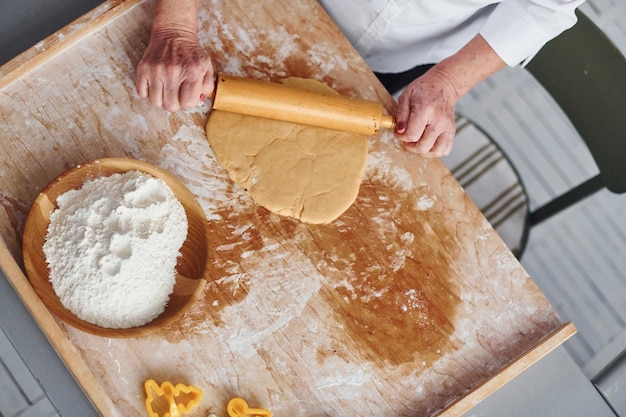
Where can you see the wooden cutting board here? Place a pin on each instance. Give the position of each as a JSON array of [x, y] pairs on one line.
[[408, 304]]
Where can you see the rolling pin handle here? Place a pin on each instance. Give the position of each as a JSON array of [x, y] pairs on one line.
[[388, 122]]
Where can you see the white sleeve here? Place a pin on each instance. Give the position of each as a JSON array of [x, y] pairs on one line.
[[518, 29]]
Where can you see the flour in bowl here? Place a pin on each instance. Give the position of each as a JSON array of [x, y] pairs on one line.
[[112, 248]]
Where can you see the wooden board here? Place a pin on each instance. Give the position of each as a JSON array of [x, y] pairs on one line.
[[408, 304]]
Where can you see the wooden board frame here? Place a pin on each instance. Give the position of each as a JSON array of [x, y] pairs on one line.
[[63, 40]]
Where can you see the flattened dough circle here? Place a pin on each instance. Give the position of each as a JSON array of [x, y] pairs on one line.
[[308, 173]]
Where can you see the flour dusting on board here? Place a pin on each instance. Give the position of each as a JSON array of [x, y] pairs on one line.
[[382, 168], [426, 202], [318, 55], [281, 43], [277, 303], [189, 155], [245, 43], [335, 378], [400, 255]]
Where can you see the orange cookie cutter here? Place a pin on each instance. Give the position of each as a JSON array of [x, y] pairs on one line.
[[180, 398], [239, 408]]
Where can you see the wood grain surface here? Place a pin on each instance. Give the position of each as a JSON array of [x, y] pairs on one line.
[[408, 304]]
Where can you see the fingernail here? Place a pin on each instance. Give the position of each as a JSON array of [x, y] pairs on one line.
[[401, 127], [202, 97]]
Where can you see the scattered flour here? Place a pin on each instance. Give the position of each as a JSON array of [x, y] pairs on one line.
[[426, 203], [112, 248]]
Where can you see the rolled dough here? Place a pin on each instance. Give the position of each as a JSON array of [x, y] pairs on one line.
[[309, 173]]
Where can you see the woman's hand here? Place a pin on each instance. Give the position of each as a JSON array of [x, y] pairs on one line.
[[425, 117], [174, 71], [425, 114]]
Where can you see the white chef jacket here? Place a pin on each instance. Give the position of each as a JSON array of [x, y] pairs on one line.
[[397, 35]]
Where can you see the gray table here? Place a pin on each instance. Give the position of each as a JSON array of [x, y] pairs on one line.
[[553, 387], [39, 356]]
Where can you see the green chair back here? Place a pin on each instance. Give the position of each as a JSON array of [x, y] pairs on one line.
[[586, 74]]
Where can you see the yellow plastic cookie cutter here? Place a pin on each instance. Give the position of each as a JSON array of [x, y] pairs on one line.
[[180, 398], [239, 408]]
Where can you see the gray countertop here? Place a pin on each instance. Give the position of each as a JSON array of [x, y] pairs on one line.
[[39, 357], [555, 386]]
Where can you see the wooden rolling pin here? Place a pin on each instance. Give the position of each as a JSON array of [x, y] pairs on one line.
[[292, 104]]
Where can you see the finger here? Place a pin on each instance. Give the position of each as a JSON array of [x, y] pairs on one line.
[[448, 145], [190, 92], [443, 145], [413, 129], [141, 81], [402, 114], [208, 83], [155, 93], [171, 97], [141, 84], [418, 128], [425, 142]]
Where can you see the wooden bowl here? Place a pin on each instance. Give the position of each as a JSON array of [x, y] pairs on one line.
[[192, 267]]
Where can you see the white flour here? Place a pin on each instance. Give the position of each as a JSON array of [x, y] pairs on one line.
[[112, 248]]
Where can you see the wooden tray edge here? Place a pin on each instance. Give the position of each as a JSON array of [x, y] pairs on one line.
[[63, 39], [515, 368], [50, 328], [55, 45], [10, 72]]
